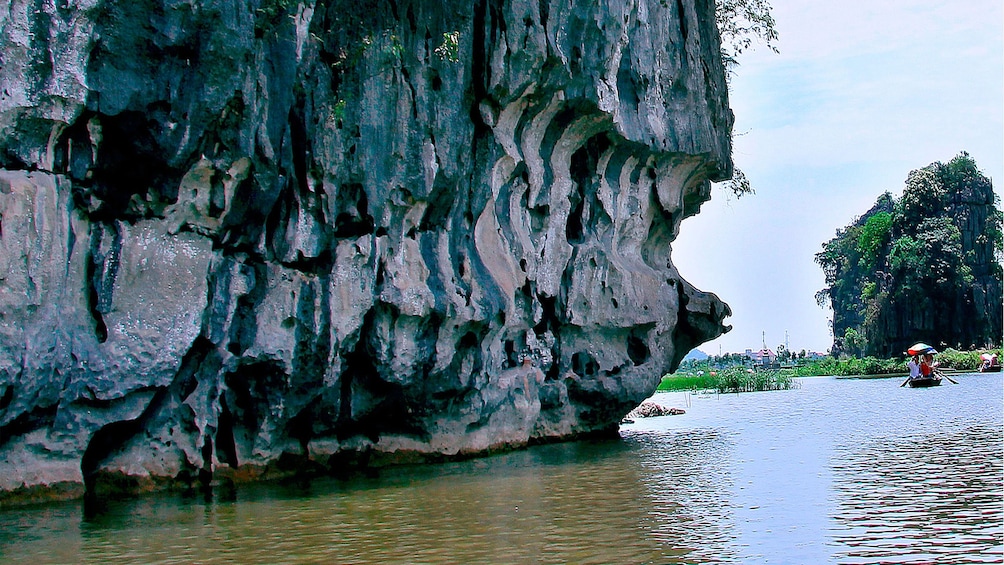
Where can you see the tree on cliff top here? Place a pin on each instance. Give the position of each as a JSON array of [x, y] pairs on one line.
[[740, 23], [925, 267]]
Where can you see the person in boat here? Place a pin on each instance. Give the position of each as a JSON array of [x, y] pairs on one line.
[[914, 366], [989, 362], [927, 366]]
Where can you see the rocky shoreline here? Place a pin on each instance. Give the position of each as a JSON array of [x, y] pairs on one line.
[[653, 410]]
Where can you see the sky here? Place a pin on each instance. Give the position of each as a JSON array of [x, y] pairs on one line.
[[861, 93]]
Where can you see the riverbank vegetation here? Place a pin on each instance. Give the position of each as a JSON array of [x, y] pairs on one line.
[[709, 374], [731, 379], [856, 366]]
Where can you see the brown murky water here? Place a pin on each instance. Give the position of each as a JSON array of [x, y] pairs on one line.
[[837, 471]]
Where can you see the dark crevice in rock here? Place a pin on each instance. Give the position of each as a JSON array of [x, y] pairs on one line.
[[299, 208], [302, 425], [468, 350], [440, 206], [410, 14], [682, 13], [313, 333], [101, 445], [512, 354], [493, 16], [392, 409], [244, 327], [317, 266], [409, 409], [41, 69], [584, 365], [12, 162], [92, 401], [7, 396], [406, 76], [73, 153], [206, 471], [39, 417], [214, 319], [102, 269], [222, 134], [480, 79], [637, 350], [573, 226], [586, 210], [627, 88], [550, 323], [253, 389], [353, 219], [195, 362], [358, 366], [131, 177], [226, 447], [555, 129], [299, 142], [112, 437]]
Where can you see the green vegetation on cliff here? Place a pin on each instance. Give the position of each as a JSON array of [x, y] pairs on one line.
[[924, 267]]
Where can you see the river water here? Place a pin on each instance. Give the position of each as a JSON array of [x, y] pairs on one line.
[[835, 471]]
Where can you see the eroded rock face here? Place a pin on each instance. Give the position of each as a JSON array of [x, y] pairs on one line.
[[240, 234]]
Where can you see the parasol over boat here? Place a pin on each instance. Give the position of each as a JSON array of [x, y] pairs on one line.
[[934, 378], [921, 349]]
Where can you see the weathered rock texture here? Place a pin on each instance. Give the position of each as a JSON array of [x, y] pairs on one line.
[[241, 234], [652, 410]]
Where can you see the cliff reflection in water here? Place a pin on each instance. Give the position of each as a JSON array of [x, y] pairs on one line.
[[577, 503], [588, 502], [837, 471]]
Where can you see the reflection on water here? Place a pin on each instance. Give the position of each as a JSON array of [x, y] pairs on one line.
[[927, 498], [836, 471], [571, 503], [688, 486]]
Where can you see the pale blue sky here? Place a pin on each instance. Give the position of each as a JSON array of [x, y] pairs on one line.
[[862, 93]]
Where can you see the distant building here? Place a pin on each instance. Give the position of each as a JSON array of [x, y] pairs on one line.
[[765, 357]]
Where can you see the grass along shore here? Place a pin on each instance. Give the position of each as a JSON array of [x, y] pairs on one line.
[[947, 359], [731, 379], [706, 375]]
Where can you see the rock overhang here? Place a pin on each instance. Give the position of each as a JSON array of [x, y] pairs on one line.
[[340, 228]]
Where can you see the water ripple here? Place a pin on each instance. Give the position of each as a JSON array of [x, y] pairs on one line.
[[848, 472], [932, 497]]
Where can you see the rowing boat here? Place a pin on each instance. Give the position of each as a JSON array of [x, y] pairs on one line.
[[922, 382]]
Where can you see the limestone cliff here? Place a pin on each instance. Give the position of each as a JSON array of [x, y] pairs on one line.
[[236, 235]]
